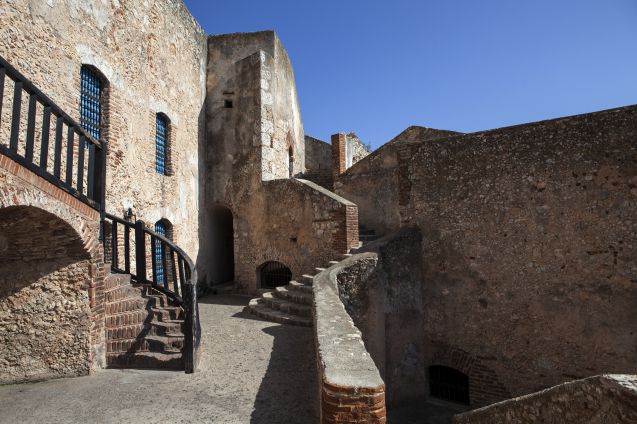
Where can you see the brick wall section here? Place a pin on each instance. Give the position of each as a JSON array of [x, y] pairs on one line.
[[346, 404], [339, 142]]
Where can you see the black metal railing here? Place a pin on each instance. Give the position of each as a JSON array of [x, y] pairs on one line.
[[131, 248], [41, 137]]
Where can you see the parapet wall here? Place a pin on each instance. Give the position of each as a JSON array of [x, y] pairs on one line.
[[602, 399], [351, 388]]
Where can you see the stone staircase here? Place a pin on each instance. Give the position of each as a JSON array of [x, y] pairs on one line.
[[289, 304], [143, 328], [366, 235]]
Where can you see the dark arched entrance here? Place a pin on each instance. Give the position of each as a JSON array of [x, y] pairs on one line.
[[273, 274], [448, 384], [222, 245], [43, 264]]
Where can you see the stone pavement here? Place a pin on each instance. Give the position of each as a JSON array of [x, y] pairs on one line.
[[251, 371]]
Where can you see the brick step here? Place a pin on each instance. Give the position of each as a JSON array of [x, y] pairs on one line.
[[127, 318], [125, 305], [145, 360], [122, 292], [146, 343], [115, 280], [157, 300], [365, 238], [166, 329], [293, 295], [168, 313], [296, 286], [292, 308], [259, 309]]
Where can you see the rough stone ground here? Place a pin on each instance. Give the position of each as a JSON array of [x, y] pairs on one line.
[[425, 413], [251, 371]]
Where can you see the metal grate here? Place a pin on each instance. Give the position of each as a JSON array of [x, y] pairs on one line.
[[90, 102], [274, 274], [161, 142], [160, 228], [448, 384]]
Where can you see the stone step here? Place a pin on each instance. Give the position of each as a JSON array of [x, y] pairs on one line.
[[307, 279], [112, 281], [319, 270], [125, 305], [333, 262], [259, 309], [293, 295], [146, 343], [295, 285], [145, 360], [365, 238], [291, 308]]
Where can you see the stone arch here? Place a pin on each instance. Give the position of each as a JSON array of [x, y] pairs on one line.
[[484, 386], [45, 294]]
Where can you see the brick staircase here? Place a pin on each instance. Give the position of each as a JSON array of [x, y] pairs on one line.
[[143, 328], [289, 304]]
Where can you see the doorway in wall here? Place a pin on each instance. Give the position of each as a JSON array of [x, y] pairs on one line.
[[222, 245]]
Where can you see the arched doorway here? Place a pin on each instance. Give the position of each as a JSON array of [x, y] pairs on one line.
[[222, 245], [273, 274], [43, 265], [448, 384]]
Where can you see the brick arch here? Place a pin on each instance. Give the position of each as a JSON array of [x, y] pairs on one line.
[[34, 198], [44, 264], [484, 386]]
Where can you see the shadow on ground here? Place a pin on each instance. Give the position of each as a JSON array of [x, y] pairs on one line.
[[288, 392]]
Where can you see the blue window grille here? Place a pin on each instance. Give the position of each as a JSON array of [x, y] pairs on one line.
[[90, 102], [160, 228], [161, 145]]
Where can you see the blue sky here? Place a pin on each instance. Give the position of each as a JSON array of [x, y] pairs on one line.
[[377, 67]]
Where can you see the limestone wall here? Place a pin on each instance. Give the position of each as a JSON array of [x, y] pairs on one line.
[[51, 280], [318, 162], [153, 56], [595, 400], [526, 272]]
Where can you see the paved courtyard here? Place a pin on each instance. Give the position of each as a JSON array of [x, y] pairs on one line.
[[251, 371]]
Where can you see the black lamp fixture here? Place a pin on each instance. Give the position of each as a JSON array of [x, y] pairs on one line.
[[129, 215]]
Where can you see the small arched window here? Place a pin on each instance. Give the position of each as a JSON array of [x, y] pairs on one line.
[[164, 228], [162, 145], [92, 100], [273, 274], [448, 384]]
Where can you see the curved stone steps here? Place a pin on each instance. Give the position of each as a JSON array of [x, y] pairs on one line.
[[292, 295], [276, 303], [258, 308]]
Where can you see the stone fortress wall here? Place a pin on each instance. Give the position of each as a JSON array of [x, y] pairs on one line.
[[153, 57], [524, 277], [254, 143]]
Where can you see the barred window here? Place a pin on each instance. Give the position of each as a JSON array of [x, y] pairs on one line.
[[448, 384], [162, 147], [162, 227], [91, 96]]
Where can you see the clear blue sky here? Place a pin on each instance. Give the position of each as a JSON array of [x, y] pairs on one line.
[[377, 67]]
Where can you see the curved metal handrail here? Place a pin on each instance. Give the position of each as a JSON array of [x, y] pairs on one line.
[[177, 268]]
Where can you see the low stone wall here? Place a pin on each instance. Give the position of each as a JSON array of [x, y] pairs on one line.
[[351, 388], [602, 399]]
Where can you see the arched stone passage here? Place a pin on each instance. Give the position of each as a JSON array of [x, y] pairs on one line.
[[273, 274], [448, 384], [45, 313], [222, 245]]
